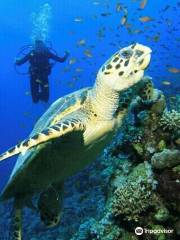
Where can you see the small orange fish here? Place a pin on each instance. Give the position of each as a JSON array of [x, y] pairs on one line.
[[72, 61], [78, 19], [125, 16], [38, 81], [145, 19], [167, 83], [124, 20], [118, 7], [88, 53], [136, 31], [143, 4], [81, 42], [173, 70]]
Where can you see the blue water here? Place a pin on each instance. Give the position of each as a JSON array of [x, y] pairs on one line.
[[17, 112]]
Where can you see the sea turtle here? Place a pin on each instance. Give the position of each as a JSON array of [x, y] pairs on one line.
[[70, 135]]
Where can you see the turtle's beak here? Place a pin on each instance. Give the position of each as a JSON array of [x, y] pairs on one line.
[[144, 59]]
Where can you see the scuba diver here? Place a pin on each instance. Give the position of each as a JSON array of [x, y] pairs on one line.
[[39, 69]]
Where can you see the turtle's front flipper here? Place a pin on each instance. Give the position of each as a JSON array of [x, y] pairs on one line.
[[55, 131], [50, 204], [17, 224]]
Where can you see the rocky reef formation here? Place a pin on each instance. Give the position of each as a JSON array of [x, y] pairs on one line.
[[134, 183]]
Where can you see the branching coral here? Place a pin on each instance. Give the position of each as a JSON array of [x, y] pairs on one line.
[[134, 197], [131, 200], [170, 121]]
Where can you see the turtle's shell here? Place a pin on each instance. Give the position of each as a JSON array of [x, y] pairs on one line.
[[56, 112]]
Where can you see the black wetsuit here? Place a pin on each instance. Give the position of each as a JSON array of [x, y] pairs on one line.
[[39, 70]]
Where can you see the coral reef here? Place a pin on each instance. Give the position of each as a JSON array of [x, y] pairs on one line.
[[170, 121], [134, 197], [169, 185], [166, 158], [174, 102], [104, 229]]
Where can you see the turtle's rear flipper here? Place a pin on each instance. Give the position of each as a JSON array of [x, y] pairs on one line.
[[16, 233], [49, 204]]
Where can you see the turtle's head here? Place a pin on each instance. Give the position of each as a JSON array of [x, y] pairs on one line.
[[126, 67]]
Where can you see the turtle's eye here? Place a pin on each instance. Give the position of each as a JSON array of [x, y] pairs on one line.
[[139, 53], [126, 53]]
